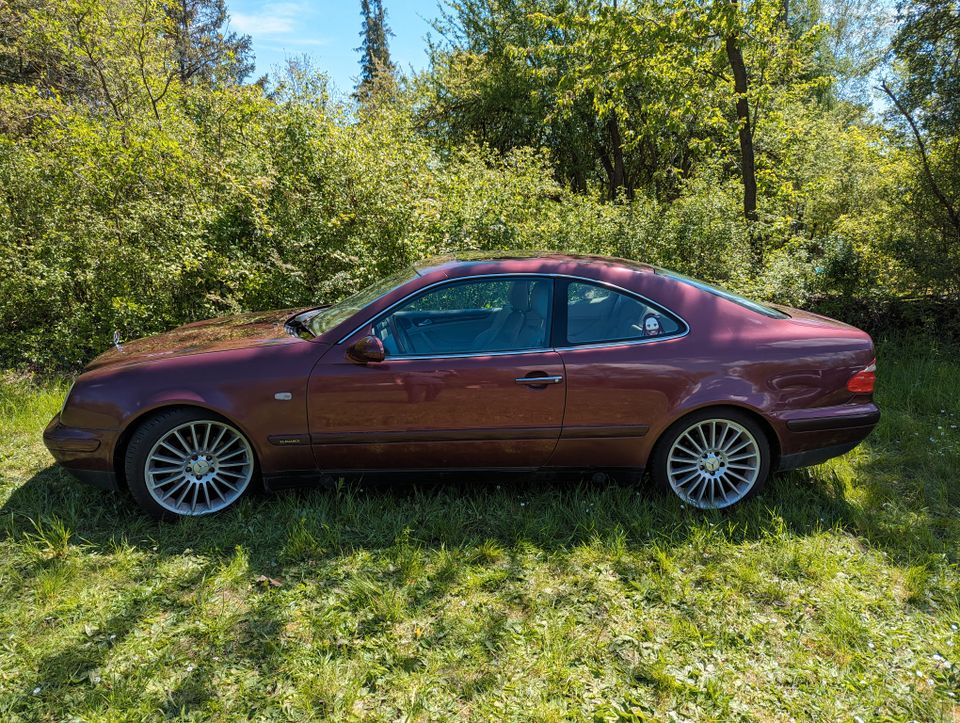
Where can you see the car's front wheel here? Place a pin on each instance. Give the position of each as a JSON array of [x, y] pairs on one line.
[[712, 459], [187, 463]]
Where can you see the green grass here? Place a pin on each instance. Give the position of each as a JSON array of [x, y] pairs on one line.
[[834, 595]]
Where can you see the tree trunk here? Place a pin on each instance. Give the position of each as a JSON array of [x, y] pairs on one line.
[[618, 179], [179, 11], [748, 170], [607, 167], [747, 164]]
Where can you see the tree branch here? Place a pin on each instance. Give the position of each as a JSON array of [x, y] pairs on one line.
[[941, 197], [78, 21]]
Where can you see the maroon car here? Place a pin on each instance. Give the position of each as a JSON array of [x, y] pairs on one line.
[[519, 363]]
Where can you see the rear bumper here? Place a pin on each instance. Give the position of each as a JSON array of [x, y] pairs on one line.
[[867, 418], [812, 436], [813, 456], [95, 478], [85, 453]]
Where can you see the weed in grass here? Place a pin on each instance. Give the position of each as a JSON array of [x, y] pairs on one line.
[[49, 539], [301, 543]]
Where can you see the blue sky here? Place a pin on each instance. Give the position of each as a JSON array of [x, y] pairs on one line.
[[329, 31]]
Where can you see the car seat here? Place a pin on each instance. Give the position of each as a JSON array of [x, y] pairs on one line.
[[507, 322]]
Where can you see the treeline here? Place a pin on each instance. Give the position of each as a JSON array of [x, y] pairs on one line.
[[145, 182]]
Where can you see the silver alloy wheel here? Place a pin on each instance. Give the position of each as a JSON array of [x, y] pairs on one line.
[[199, 467], [713, 463]]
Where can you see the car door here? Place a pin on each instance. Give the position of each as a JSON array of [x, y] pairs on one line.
[[468, 381], [622, 373]]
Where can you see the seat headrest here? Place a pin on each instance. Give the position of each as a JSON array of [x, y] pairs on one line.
[[540, 300], [520, 295]]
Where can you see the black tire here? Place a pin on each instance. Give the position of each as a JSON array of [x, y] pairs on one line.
[[660, 464], [149, 434]]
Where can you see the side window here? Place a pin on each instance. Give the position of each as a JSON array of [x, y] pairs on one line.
[[597, 314], [471, 317]]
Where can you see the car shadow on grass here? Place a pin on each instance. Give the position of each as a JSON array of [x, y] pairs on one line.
[[552, 513]]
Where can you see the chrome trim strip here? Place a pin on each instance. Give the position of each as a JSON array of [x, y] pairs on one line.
[[598, 345], [538, 380], [600, 431], [469, 355], [544, 350], [411, 436], [626, 342]]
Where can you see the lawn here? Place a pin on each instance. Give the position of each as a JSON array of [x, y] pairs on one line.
[[836, 594]]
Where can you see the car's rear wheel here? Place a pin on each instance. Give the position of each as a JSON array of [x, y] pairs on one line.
[[188, 463], [712, 459]]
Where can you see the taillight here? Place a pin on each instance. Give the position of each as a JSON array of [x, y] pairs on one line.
[[863, 381]]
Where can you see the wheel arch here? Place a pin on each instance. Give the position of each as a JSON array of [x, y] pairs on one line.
[[771, 434], [145, 415]]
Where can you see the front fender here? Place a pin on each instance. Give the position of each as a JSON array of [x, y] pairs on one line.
[[262, 391]]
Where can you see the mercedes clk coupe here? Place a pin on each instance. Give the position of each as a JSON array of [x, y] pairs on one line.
[[522, 363]]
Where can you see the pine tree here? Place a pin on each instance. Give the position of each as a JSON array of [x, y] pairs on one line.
[[205, 52], [376, 69]]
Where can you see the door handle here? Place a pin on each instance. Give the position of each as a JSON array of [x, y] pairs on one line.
[[538, 380]]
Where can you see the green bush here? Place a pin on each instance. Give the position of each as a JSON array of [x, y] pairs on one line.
[[236, 202]]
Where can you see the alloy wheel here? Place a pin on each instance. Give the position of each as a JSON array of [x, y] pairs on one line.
[[714, 463], [199, 467]]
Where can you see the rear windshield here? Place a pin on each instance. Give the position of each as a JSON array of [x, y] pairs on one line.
[[728, 295]]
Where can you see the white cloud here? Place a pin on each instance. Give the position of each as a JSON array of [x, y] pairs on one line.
[[270, 19]]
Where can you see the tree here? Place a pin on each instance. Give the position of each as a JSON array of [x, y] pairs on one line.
[[205, 51], [748, 171], [377, 72], [555, 75], [927, 47], [926, 97], [935, 187], [854, 46], [32, 51], [112, 56]]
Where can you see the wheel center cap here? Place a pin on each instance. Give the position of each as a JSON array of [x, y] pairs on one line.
[[711, 463], [200, 466]]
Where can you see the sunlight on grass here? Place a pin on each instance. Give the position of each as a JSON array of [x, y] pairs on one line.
[[835, 594]]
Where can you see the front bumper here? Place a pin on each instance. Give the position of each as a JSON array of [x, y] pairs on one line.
[[86, 453]]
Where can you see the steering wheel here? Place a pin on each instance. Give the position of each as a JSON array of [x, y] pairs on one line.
[[394, 328]]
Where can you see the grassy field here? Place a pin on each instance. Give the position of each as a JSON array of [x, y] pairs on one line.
[[834, 595]]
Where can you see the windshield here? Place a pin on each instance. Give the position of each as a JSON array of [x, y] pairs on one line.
[[336, 314], [728, 295]]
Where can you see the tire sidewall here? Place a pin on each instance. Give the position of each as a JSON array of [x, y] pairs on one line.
[[147, 434], [658, 461]]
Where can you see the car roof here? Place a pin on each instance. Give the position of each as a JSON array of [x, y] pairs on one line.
[[464, 263]]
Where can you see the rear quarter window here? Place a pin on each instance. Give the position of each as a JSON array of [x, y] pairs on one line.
[[599, 314]]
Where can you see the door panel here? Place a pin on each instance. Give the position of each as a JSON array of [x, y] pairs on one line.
[[444, 413], [616, 396], [616, 393]]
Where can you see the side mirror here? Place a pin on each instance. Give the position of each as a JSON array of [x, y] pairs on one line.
[[366, 350]]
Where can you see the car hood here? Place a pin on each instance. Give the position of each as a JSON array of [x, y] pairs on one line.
[[240, 331]]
